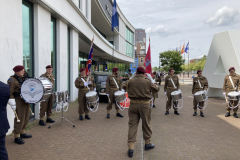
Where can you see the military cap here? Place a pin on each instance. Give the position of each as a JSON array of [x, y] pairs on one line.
[[141, 70], [82, 69], [18, 68], [154, 72], [199, 71], [49, 66], [115, 69], [170, 69], [232, 68]]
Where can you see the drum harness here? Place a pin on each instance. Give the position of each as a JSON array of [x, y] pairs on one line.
[[198, 107], [176, 100], [95, 108], [228, 101], [119, 105]]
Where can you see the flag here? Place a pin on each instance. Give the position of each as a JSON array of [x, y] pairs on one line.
[[147, 62], [187, 48], [183, 49], [180, 49], [89, 62], [176, 49], [114, 15]]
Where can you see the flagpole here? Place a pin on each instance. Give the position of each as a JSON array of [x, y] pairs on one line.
[[113, 46], [188, 58]]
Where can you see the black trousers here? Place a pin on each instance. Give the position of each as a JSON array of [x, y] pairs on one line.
[[3, 150]]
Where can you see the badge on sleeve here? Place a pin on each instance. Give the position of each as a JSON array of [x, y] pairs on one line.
[[9, 81]]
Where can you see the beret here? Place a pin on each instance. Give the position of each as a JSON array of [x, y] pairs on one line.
[[82, 69], [199, 71], [141, 70], [170, 69], [154, 72], [18, 68], [231, 68], [115, 69], [49, 66]]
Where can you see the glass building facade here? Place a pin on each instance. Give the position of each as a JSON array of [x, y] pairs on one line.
[[129, 43], [53, 50]]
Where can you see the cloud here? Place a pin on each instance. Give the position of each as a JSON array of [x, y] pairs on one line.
[[223, 17], [161, 31]]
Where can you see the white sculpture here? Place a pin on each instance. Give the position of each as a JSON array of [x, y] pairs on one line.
[[223, 54]]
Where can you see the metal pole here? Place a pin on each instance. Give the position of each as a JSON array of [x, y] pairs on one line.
[[188, 59], [113, 46]]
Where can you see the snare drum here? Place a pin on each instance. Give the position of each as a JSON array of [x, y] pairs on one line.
[[176, 95], [34, 90], [233, 96], [92, 96], [200, 96], [119, 96]]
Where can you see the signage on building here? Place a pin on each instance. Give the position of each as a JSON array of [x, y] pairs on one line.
[[134, 66]]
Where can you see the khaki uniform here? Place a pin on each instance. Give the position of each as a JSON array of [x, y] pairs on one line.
[[46, 106], [169, 88], [195, 88], [156, 79], [227, 87], [139, 91], [79, 83], [111, 88], [128, 75], [22, 108]]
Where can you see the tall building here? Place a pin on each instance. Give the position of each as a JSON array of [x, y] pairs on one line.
[[140, 35], [37, 33], [140, 43]]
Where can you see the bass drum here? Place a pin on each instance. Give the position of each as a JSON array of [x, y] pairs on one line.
[[176, 95], [200, 96], [34, 90]]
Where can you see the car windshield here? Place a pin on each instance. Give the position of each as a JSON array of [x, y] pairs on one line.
[[102, 79]]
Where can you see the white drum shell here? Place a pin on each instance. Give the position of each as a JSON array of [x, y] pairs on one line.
[[233, 96], [176, 95], [200, 96], [119, 96], [91, 96]]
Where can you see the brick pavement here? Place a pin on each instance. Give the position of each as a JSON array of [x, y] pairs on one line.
[[176, 137]]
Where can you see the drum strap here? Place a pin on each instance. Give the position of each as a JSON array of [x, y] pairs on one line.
[[115, 82], [199, 84], [231, 82], [173, 83]]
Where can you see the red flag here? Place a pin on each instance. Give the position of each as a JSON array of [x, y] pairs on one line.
[[147, 62]]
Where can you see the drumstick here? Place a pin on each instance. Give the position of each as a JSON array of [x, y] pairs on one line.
[[109, 99], [226, 99], [16, 116], [31, 111]]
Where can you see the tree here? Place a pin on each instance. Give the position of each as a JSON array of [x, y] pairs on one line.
[[155, 69], [172, 59]]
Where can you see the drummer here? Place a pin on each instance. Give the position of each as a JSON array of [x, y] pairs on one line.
[[155, 95], [19, 105], [84, 84], [200, 83], [128, 75], [111, 88], [169, 87], [46, 106], [229, 87]]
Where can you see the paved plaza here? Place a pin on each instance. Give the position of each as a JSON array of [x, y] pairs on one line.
[[175, 137]]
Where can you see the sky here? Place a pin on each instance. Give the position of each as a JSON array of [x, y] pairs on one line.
[[171, 23]]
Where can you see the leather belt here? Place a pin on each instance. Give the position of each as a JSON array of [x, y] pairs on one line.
[[230, 89], [198, 89], [83, 89], [114, 89], [171, 88], [139, 101]]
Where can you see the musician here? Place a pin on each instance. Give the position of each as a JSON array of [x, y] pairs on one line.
[[155, 95], [139, 91], [169, 87], [128, 75], [229, 87], [4, 125], [200, 83], [84, 84], [46, 106], [111, 88], [17, 103]]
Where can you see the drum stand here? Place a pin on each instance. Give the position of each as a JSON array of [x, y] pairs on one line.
[[62, 104]]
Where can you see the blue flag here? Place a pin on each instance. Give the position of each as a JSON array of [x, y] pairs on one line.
[[187, 48], [114, 15]]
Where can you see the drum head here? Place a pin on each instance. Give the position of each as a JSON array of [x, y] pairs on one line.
[[118, 93], [32, 90], [233, 94], [175, 93], [91, 93], [199, 93]]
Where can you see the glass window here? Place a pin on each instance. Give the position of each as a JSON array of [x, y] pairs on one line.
[[80, 4], [53, 50], [69, 70], [102, 78], [87, 9]]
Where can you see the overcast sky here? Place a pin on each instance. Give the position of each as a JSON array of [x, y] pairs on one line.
[[171, 23]]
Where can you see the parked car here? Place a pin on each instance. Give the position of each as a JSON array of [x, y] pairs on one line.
[[100, 81]]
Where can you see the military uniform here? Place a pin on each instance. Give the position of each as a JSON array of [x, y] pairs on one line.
[[128, 75], [111, 88], [227, 87], [22, 108], [195, 88], [79, 83], [46, 106], [169, 88], [139, 91], [156, 79]]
